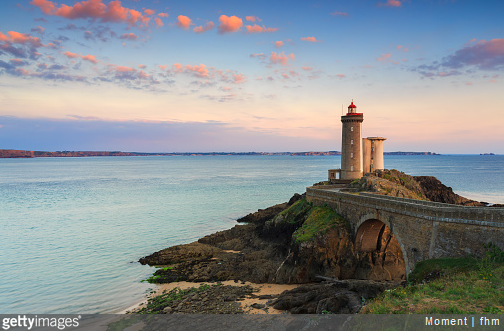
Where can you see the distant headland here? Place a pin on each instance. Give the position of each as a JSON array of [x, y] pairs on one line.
[[13, 153]]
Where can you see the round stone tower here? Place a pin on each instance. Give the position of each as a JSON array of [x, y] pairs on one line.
[[351, 145]]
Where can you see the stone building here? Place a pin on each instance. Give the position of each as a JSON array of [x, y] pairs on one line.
[[358, 155]]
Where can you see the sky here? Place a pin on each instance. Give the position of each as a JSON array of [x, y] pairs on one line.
[[238, 76]]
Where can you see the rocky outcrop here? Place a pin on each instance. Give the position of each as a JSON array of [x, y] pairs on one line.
[[397, 183], [294, 246], [336, 297], [434, 190], [390, 182]]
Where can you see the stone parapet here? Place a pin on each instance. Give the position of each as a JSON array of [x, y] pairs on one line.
[[434, 211]]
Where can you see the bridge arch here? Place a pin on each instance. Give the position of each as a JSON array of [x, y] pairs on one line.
[[375, 235]]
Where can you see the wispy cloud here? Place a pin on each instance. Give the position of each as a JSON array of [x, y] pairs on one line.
[[339, 13], [259, 29], [95, 9], [204, 28], [310, 39], [390, 3], [481, 55]]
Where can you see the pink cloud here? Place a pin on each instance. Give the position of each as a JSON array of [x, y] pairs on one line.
[[307, 68], [258, 55], [130, 36], [71, 55], [90, 58], [20, 38], [391, 3], [158, 21], [162, 66], [199, 71], [177, 67], [258, 29], [281, 58], [207, 27], [253, 18], [310, 39], [239, 78], [94, 9], [341, 76], [142, 66], [22, 72], [338, 13], [124, 73], [17, 62], [279, 44], [384, 57], [47, 7], [163, 15], [183, 22], [149, 11], [229, 24], [121, 69]]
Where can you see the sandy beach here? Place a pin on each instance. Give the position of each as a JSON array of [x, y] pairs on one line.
[[246, 304]]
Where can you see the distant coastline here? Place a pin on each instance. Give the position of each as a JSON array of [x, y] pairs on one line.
[[13, 153]]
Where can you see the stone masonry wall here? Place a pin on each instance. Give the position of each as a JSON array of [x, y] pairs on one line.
[[423, 229]]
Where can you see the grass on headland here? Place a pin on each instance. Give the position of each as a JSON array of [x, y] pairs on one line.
[[448, 286], [311, 220], [319, 221]]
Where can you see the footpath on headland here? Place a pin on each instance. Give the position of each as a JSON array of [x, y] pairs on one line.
[[313, 248]]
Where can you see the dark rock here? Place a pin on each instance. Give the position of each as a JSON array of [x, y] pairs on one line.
[[436, 191], [296, 197], [263, 215], [337, 298], [258, 305], [176, 254]]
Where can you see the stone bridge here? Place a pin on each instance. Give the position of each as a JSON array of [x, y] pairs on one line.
[[423, 229]]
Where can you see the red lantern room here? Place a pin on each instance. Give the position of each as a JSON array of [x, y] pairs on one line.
[[352, 110]]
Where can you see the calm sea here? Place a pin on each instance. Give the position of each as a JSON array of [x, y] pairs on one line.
[[71, 229]]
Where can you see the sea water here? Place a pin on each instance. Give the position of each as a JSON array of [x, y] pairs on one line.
[[72, 229]]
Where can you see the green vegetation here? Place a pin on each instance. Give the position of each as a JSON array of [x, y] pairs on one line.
[[157, 303], [448, 286], [319, 221], [313, 220], [295, 213], [158, 276]]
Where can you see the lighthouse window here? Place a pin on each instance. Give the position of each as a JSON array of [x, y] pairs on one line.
[[351, 142], [351, 128], [351, 168], [351, 155]]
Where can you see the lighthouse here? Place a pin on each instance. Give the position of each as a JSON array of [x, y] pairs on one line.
[[351, 144], [358, 155]]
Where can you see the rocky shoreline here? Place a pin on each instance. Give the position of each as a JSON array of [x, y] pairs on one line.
[[291, 243]]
